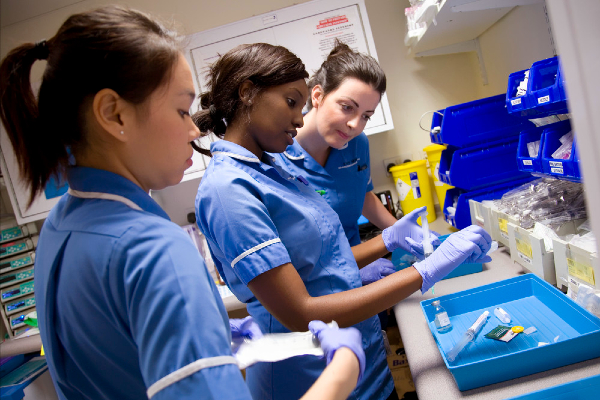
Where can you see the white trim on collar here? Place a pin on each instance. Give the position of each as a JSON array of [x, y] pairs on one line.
[[344, 146], [239, 157], [291, 157], [105, 196]]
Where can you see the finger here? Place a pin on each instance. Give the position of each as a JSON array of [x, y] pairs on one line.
[[480, 231], [387, 271], [316, 326], [414, 214]]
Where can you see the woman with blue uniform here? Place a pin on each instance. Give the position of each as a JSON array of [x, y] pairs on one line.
[[277, 243], [331, 150], [126, 307]]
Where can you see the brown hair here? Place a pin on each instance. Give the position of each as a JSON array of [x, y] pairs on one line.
[[343, 62], [263, 64], [111, 47]]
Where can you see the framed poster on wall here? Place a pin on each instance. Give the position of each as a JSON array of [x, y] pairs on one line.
[[308, 30]]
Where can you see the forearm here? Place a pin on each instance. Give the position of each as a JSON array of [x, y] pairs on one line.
[[376, 213], [369, 251], [337, 380], [283, 294]]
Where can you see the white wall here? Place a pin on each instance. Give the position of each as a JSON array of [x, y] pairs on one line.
[[415, 85]]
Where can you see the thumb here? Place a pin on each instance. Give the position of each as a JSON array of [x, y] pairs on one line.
[[316, 327], [414, 214]]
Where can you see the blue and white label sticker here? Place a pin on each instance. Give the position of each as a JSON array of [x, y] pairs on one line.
[[414, 183]]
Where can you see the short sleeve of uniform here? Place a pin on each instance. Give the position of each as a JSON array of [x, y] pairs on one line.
[[231, 213], [176, 321], [364, 150]]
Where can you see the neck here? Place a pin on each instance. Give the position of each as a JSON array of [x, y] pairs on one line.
[[311, 141], [236, 133]]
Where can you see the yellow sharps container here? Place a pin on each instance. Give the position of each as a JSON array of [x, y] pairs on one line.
[[412, 183], [434, 154]]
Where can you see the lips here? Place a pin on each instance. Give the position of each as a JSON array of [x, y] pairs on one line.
[[343, 135]]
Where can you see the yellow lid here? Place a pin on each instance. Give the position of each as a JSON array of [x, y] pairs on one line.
[[517, 329], [435, 147], [409, 165]]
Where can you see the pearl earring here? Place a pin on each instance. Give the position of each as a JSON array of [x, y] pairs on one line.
[[122, 132]]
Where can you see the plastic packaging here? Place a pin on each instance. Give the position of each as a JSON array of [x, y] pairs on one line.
[[277, 346], [468, 336], [441, 321], [502, 315], [533, 148], [427, 246]]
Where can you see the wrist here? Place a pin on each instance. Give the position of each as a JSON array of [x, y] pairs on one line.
[[422, 268], [387, 240]]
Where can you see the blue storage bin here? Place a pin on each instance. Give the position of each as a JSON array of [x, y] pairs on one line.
[[582, 389], [516, 104], [479, 166], [476, 122], [562, 169], [403, 259], [530, 301], [462, 217], [526, 163], [545, 92]]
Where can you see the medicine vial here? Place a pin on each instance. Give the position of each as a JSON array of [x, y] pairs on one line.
[[442, 322]]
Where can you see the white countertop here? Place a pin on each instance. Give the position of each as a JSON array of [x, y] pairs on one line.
[[431, 377]]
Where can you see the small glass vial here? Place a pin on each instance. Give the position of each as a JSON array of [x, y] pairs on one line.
[[442, 322]]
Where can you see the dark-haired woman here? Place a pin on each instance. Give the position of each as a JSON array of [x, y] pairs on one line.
[[279, 246], [332, 152], [126, 308]]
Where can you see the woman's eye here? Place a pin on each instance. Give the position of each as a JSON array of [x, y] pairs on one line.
[[346, 107], [184, 113], [291, 102], [367, 117]]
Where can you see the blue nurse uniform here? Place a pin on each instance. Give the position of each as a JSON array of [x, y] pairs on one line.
[[256, 217], [346, 178], [126, 308]]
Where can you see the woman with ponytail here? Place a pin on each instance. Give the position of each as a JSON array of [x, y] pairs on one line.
[[126, 307]]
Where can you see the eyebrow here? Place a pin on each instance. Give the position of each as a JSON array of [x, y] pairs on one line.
[[355, 103], [189, 93], [299, 92]]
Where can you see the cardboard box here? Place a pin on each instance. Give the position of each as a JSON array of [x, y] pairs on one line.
[[398, 364]]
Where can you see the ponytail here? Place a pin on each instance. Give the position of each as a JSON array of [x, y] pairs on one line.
[[38, 153]]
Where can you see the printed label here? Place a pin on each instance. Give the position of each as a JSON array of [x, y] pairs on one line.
[[515, 102], [503, 225], [581, 271], [556, 164], [524, 248], [524, 258], [443, 319], [403, 189], [557, 171], [414, 183], [527, 162], [542, 100]]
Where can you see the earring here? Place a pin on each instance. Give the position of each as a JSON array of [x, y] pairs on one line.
[[249, 102], [122, 132]]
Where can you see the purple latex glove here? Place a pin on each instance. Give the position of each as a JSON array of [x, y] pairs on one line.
[[245, 328], [467, 246], [376, 270], [407, 227], [332, 339]]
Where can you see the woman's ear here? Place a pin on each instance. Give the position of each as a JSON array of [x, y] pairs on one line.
[[246, 92], [109, 109], [316, 96]]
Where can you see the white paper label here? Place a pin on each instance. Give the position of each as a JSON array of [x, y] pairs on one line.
[[443, 319], [403, 189], [514, 102], [542, 100], [524, 258], [557, 170], [556, 164], [527, 162]]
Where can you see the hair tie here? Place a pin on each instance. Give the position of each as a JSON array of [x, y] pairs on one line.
[[41, 50]]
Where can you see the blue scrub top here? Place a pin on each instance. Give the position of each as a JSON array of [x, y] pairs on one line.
[[124, 300], [256, 217], [346, 178]]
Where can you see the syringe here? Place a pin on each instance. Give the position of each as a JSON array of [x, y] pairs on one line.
[[468, 336], [427, 246]]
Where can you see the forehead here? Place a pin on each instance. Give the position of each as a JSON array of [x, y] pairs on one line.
[[179, 84], [358, 91]]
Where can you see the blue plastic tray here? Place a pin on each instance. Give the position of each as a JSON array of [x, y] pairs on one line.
[[462, 217], [481, 166], [582, 389], [563, 169], [477, 122], [526, 163], [531, 302], [516, 104]]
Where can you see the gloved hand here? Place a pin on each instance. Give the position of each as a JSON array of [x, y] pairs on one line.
[[469, 245], [332, 339], [407, 227], [245, 328], [376, 270]]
